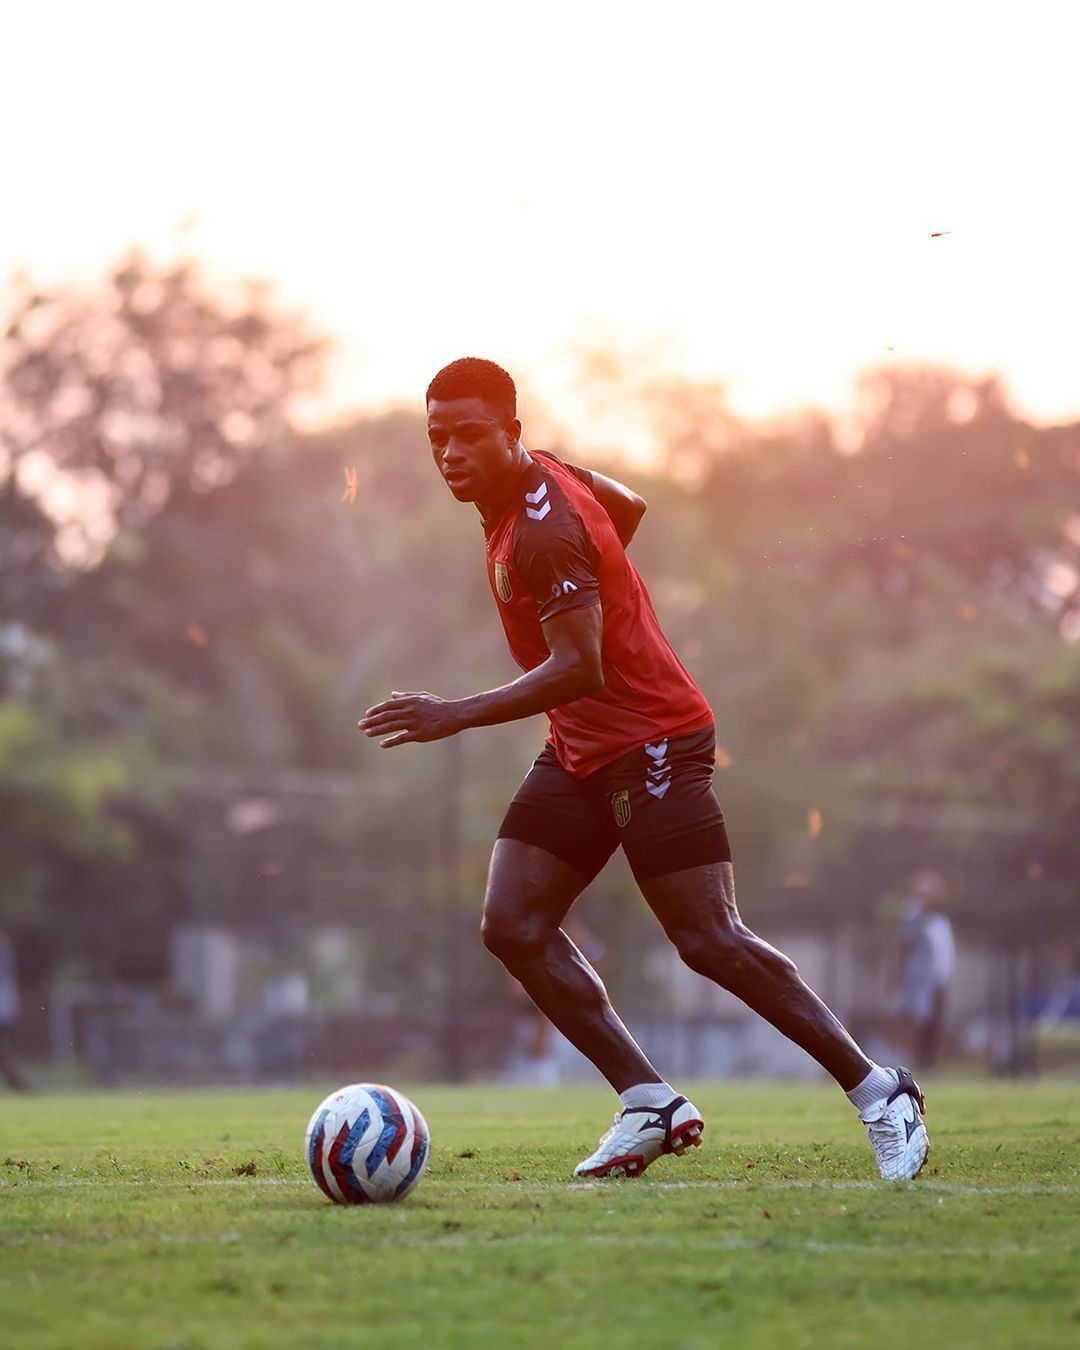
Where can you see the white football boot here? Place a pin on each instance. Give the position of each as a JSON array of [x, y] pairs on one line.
[[896, 1130], [638, 1137]]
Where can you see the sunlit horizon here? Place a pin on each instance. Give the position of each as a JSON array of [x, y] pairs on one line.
[[740, 196]]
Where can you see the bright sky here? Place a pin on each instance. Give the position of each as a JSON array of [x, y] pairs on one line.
[[747, 190]]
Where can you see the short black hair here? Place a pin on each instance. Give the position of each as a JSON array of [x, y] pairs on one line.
[[473, 377]]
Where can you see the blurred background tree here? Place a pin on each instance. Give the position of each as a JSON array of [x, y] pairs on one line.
[[194, 615], [121, 410], [154, 382]]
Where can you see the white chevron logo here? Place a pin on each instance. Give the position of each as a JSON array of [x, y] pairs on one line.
[[657, 751], [661, 771], [537, 515], [657, 789], [538, 495]]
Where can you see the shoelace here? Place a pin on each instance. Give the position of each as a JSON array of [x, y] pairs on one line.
[[614, 1126], [888, 1134], [615, 1121]]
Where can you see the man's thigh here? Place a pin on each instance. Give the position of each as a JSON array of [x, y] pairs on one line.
[[529, 890], [695, 902], [554, 812]]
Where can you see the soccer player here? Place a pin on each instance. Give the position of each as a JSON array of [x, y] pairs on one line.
[[629, 762]]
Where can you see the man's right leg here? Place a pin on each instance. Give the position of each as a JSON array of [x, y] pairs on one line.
[[555, 837], [529, 893]]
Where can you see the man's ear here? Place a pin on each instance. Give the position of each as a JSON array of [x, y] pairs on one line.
[[513, 431]]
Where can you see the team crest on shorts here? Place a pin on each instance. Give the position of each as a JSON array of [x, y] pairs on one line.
[[502, 583], [620, 806]]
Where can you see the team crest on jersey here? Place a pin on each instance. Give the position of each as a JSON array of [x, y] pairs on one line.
[[620, 806], [503, 588]]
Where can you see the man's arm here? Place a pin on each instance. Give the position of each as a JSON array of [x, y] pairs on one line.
[[572, 670], [623, 506]]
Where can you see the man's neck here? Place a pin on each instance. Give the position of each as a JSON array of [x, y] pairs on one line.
[[491, 508]]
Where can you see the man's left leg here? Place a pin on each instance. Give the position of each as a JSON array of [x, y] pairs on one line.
[[698, 912], [675, 839]]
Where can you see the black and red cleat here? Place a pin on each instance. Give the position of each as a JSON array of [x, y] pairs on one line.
[[639, 1135]]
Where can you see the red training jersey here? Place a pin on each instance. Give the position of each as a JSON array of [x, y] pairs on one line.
[[553, 549]]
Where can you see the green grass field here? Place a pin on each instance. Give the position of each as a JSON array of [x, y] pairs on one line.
[[188, 1220]]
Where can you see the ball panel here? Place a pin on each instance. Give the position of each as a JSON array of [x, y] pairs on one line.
[[418, 1154], [315, 1136], [366, 1143], [393, 1131], [341, 1158]]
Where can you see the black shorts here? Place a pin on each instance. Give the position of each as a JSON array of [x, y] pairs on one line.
[[656, 801]]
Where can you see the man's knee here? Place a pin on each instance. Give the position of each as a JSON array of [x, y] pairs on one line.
[[708, 950], [730, 954], [511, 935]]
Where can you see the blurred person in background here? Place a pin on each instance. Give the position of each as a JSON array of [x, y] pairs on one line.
[[929, 957], [9, 1015]]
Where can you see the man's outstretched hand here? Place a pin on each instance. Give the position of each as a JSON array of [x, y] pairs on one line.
[[411, 717]]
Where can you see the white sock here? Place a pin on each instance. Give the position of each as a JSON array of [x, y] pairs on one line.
[[647, 1094], [878, 1083]]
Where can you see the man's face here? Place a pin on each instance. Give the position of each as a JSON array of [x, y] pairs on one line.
[[473, 449], [928, 887]]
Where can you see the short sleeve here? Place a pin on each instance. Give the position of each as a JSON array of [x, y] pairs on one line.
[[558, 564], [583, 476]]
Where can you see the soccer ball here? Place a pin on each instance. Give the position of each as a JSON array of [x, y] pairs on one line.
[[366, 1144]]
